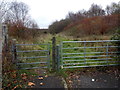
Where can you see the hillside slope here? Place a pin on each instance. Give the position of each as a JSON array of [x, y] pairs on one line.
[[100, 25]]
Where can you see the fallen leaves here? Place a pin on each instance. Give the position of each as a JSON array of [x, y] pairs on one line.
[[41, 83], [15, 81], [14, 75], [24, 76], [8, 85], [15, 87], [46, 75], [77, 77], [31, 84], [41, 78], [70, 81]]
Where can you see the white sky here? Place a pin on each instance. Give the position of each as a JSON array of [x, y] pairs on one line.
[[44, 12]]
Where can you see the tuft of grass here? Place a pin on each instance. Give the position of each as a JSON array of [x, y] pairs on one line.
[[62, 72]]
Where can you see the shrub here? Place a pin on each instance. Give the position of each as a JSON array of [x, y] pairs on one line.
[[116, 36]]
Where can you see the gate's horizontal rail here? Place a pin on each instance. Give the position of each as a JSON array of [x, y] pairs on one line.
[[90, 66], [32, 63], [91, 41], [34, 68], [105, 62], [87, 59], [34, 51], [90, 56], [92, 47], [29, 44], [89, 53], [32, 57], [72, 60]]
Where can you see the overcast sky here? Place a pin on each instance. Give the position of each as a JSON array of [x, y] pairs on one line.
[[44, 12]]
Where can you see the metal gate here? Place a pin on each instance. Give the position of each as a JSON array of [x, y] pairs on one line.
[[32, 56], [90, 53], [69, 54]]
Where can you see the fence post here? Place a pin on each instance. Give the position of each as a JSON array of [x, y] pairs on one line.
[[14, 54], [5, 37], [53, 53], [58, 57]]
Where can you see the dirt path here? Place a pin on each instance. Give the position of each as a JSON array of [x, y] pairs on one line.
[[46, 81], [87, 78]]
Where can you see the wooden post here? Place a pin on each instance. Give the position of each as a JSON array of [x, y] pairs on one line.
[[53, 53]]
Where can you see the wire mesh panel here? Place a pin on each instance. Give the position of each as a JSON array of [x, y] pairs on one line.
[[32, 56], [90, 53]]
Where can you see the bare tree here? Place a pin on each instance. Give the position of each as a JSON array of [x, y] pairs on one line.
[[96, 10], [4, 8], [114, 8], [18, 18], [18, 13], [76, 16]]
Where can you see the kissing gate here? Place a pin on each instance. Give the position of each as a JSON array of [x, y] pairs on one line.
[[69, 54]]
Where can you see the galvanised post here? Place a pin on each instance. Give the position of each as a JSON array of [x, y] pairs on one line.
[[61, 54]]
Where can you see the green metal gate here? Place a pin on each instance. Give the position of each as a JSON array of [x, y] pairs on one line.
[[69, 54], [32, 56], [76, 54]]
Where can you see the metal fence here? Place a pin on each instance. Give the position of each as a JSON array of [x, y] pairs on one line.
[[90, 53], [31, 56]]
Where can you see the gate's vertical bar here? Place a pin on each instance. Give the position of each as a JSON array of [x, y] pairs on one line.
[[107, 54], [58, 57], [61, 54], [84, 52]]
